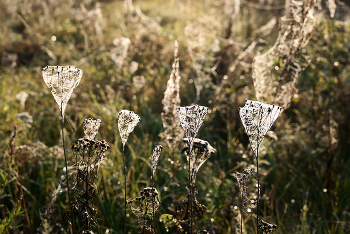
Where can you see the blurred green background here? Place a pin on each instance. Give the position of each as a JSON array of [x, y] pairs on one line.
[[126, 50]]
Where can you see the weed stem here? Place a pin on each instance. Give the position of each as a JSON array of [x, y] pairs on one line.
[[65, 160], [124, 191]]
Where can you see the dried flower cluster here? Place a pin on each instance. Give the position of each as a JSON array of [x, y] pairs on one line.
[[61, 80], [127, 121], [257, 119], [266, 227], [245, 179], [276, 72], [91, 127], [155, 157], [191, 119], [202, 150], [89, 155], [143, 205]]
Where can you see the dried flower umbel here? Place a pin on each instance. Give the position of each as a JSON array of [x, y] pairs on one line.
[[61, 80], [191, 119], [257, 119], [201, 151], [245, 179], [266, 227], [144, 207], [127, 121], [91, 127], [89, 155]]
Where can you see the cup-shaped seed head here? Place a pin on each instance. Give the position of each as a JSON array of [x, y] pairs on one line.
[[191, 119], [257, 119], [127, 120], [155, 157], [91, 127], [201, 151], [61, 80]]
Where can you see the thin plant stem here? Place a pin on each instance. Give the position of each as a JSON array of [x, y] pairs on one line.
[[190, 184], [25, 211], [154, 220], [173, 158], [144, 220], [242, 213], [124, 191], [257, 205], [86, 191], [257, 165], [65, 160]]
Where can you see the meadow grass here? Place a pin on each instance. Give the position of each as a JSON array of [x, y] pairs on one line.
[[304, 180]]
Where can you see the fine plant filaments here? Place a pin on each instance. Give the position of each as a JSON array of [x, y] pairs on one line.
[[61, 80], [144, 207], [266, 227], [91, 127], [191, 119], [127, 121], [244, 180], [257, 119], [201, 151], [89, 155]]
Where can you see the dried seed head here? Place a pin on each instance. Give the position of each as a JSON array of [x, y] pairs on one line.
[[246, 182], [127, 120], [155, 157], [91, 127], [202, 150], [191, 119], [276, 72], [61, 80], [173, 132], [257, 119], [266, 227], [142, 206]]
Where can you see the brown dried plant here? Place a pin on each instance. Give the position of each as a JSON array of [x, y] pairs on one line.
[[172, 133], [127, 121], [257, 119], [276, 72], [191, 119], [61, 80]]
